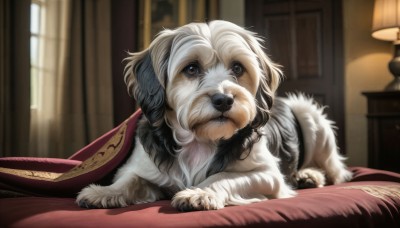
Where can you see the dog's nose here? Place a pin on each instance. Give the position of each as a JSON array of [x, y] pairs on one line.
[[222, 102]]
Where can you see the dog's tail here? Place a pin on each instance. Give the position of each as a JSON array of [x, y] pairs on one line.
[[320, 146]]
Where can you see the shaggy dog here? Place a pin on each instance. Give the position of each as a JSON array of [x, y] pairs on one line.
[[212, 134]]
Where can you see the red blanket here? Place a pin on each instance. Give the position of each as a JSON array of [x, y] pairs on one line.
[[354, 204], [371, 199]]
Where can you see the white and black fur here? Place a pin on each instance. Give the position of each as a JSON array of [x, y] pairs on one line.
[[212, 133]]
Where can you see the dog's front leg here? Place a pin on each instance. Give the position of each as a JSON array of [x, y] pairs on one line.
[[122, 193], [129, 186], [231, 188], [255, 178]]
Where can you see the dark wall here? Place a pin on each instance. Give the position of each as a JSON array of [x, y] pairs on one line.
[[124, 23]]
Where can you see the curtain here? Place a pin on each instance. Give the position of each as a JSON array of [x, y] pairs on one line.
[[75, 101], [53, 53], [14, 77]]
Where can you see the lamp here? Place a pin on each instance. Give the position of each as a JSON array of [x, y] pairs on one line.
[[386, 26]]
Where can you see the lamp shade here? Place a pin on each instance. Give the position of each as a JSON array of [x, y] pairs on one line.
[[386, 20]]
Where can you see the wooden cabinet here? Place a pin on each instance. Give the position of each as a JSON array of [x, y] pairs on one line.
[[384, 130]]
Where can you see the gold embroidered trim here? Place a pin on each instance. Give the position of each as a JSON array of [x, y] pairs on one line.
[[107, 152], [31, 174], [391, 191]]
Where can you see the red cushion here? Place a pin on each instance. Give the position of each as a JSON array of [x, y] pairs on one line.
[[368, 174], [65, 177], [346, 205], [371, 199], [39, 164]]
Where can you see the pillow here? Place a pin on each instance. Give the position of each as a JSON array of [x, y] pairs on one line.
[[65, 177]]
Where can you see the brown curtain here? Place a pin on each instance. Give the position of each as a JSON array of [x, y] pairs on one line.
[[76, 102], [86, 90], [75, 105], [14, 77]]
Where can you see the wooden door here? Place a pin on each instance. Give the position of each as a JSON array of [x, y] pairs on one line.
[[305, 37]]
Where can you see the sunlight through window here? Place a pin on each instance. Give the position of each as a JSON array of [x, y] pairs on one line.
[[35, 42]]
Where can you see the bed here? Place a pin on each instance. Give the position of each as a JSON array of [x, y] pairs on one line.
[[39, 192]]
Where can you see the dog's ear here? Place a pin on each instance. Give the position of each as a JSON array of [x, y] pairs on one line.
[[269, 81], [146, 77]]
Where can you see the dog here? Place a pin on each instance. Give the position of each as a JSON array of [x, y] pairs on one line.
[[212, 133]]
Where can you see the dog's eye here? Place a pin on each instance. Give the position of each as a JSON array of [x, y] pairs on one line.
[[192, 70], [237, 69]]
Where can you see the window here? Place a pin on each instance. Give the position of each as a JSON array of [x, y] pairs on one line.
[[35, 42]]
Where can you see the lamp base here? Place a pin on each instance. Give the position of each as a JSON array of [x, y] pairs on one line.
[[394, 85], [394, 68]]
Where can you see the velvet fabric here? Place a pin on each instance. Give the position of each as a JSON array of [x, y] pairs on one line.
[[371, 199], [371, 203], [65, 177]]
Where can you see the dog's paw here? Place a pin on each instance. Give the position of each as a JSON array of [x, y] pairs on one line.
[[94, 197], [310, 178], [196, 199]]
